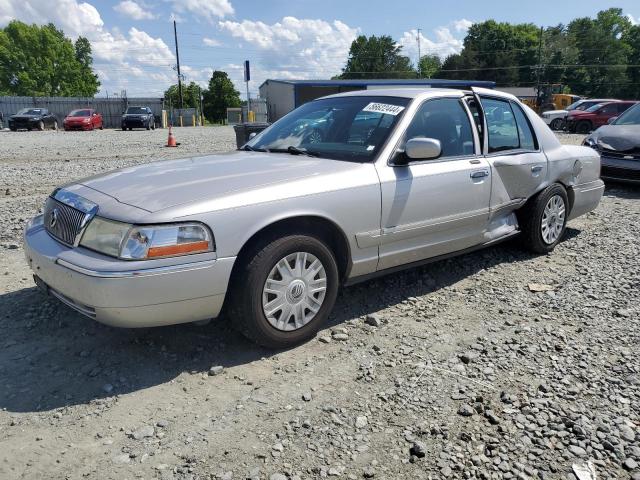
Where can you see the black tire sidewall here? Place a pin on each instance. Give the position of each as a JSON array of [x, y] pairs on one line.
[[583, 127], [556, 124], [256, 325], [533, 225]]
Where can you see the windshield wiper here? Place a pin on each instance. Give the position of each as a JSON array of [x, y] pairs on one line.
[[300, 151], [251, 149]]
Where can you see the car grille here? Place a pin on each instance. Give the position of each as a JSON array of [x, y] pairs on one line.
[[634, 153], [621, 173], [62, 221]]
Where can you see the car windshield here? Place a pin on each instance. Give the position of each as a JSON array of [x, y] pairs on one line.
[[137, 110], [630, 117], [342, 128], [30, 111], [595, 107], [80, 113]]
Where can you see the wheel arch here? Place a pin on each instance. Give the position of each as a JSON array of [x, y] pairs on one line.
[[312, 224]]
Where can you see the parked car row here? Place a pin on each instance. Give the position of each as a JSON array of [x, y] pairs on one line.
[[80, 119], [586, 115]]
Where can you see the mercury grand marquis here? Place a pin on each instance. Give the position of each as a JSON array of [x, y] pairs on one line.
[[267, 234]]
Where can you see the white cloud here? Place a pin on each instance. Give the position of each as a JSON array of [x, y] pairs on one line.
[[292, 47], [133, 10], [211, 42], [117, 56], [211, 10], [462, 25], [443, 44], [633, 20]]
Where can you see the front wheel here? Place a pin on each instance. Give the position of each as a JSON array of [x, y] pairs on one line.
[[284, 291], [55, 125], [583, 127], [543, 219], [557, 124], [41, 125]]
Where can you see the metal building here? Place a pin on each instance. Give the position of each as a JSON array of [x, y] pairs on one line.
[[282, 96]]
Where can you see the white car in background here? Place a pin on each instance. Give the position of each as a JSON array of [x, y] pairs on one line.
[[556, 118]]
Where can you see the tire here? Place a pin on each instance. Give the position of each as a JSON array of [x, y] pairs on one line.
[[55, 125], [583, 127], [557, 124], [248, 297], [130, 128], [41, 125], [543, 225], [101, 126], [13, 129], [149, 126]]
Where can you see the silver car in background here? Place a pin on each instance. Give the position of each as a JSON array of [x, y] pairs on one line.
[[340, 190]]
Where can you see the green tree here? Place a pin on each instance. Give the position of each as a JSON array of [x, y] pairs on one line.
[[41, 61], [190, 96], [429, 66], [220, 95], [376, 57]]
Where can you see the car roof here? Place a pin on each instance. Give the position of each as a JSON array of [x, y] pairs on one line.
[[414, 92]]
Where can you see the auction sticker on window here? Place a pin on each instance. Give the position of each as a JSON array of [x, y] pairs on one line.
[[385, 108]]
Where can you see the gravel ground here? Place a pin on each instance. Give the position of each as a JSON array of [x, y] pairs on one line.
[[496, 364]]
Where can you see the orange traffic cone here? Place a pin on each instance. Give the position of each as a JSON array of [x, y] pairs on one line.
[[171, 141]]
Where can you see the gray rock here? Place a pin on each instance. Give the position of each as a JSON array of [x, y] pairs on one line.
[[217, 370], [277, 476], [630, 464], [577, 451], [340, 337], [373, 319], [306, 396], [418, 449], [361, 422], [466, 410], [143, 432]]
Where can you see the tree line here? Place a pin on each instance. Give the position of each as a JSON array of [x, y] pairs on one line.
[[597, 57]]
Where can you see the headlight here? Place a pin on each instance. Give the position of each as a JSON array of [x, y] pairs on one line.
[[590, 142], [105, 236], [166, 241], [131, 242]]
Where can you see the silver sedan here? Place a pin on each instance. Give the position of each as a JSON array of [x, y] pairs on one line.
[[340, 190]]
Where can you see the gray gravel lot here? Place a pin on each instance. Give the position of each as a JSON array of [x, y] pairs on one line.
[[497, 364]]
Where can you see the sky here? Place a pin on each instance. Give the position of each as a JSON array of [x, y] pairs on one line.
[[134, 49]]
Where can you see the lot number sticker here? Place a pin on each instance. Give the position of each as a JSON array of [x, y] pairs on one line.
[[383, 108]]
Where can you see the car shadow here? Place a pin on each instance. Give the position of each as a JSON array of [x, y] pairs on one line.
[[52, 357], [622, 190]]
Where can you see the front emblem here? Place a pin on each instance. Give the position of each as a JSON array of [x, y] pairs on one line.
[[297, 290], [53, 218]]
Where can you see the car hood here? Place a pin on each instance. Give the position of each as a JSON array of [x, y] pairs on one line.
[[580, 113], [75, 118], [557, 112], [25, 117], [168, 183], [618, 137]]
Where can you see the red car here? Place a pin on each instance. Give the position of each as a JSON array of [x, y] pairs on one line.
[[83, 119], [584, 121]]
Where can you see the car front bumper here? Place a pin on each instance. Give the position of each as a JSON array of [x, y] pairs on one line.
[[619, 169], [77, 126], [148, 297]]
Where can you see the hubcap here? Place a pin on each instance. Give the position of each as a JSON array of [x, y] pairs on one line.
[[294, 291], [553, 219]]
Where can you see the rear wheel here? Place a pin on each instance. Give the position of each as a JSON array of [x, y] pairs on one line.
[[284, 291], [55, 125], [583, 127], [557, 124], [543, 219]]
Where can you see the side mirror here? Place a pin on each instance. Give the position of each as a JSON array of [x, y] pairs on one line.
[[421, 148], [611, 120]]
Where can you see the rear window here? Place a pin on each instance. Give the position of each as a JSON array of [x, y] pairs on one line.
[[508, 126]]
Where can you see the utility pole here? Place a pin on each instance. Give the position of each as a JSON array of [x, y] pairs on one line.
[[419, 57], [538, 70], [175, 36]]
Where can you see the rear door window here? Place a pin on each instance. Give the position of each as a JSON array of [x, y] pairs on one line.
[[508, 126]]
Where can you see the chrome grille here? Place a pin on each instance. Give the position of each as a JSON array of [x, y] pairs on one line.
[[62, 221]]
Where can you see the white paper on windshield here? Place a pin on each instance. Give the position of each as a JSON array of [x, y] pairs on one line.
[[385, 108]]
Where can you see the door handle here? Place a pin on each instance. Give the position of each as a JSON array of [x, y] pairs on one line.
[[480, 174], [536, 169]]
